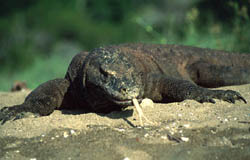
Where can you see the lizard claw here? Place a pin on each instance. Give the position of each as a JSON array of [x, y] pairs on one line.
[[211, 101], [232, 96]]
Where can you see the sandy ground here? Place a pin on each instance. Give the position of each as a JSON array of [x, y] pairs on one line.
[[186, 130]]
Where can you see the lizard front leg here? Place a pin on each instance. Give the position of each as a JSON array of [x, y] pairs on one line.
[[40, 102], [176, 90]]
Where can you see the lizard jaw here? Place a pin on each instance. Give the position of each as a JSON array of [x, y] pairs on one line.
[[127, 102]]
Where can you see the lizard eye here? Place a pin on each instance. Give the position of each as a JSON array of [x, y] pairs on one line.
[[102, 71], [107, 72]]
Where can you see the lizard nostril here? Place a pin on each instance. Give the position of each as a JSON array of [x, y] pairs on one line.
[[124, 90]]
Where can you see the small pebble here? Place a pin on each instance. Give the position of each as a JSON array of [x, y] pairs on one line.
[[186, 125], [146, 135], [72, 132], [120, 129], [213, 132], [147, 103], [65, 134], [185, 139]]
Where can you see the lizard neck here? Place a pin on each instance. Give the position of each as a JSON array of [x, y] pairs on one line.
[[153, 87]]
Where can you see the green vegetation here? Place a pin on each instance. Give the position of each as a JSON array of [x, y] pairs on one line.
[[39, 38]]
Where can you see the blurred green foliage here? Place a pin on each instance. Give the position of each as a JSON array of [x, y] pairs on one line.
[[37, 36]]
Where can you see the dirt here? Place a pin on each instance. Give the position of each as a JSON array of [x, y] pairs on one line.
[[185, 130]]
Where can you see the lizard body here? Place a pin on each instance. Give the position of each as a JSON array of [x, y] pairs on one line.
[[108, 78]]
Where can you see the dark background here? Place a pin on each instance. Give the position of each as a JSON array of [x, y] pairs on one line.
[[39, 38]]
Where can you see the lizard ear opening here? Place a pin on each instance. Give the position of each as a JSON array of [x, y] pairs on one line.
[[84, 73]]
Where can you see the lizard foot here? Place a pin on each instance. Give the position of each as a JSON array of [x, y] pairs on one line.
[[225, 95], [11, 113]]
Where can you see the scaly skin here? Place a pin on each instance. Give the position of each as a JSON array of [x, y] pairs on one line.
[[107, 79]]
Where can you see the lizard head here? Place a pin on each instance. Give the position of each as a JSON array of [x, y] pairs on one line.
[[111, 77]]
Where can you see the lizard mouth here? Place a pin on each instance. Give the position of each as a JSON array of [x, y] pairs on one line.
[[104, 95], [127, 102]]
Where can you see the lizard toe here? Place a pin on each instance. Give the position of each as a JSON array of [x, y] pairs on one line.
[[204, 98]]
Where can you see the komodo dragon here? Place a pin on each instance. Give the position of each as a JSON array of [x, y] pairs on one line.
[[108, 78]]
